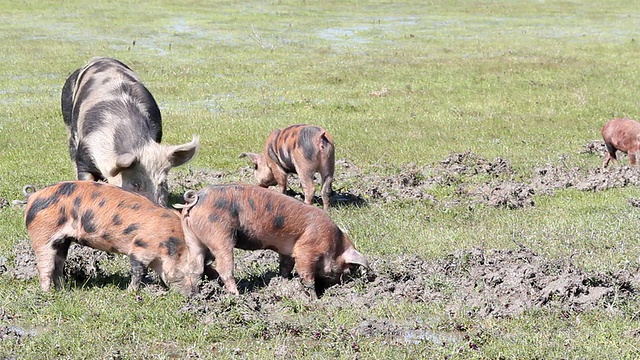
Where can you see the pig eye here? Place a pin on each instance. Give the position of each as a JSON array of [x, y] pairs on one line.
[[255, 166]]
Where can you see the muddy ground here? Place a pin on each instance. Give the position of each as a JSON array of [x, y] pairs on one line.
[[476, 282]]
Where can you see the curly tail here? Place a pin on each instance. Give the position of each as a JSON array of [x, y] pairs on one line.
[[190, 197], [27, 190]]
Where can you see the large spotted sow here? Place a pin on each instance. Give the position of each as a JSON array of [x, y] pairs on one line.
[[111, 219], [298, 149], [250, 217], [623, 135], [114, 129]]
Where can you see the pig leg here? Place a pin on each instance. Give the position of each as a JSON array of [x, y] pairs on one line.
[[326, 191], [224, 266], [632, 157], [45, 260], [50, 262], [281, 179], [611, 155], [306, 268], [61, 249], [138, 271], [307, 187], [607, 159], [222, 249], [286, 266]]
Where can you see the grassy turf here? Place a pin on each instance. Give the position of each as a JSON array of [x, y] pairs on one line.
[[524, 80]]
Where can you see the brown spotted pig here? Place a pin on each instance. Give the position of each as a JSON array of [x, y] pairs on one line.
[[250, 217], [114, 130], [111, 219], [623, 135], [297, 149]]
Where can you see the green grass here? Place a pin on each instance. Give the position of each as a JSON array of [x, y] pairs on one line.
[[528, 81]]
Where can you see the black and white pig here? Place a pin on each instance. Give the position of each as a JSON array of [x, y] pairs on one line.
[[114, 129]]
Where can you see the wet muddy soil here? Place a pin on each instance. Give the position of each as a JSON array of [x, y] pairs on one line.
[[476, 282]]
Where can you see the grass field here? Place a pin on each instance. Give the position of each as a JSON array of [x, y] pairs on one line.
[[396, 83]]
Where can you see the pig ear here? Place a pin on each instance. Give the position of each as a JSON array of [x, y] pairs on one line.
[[253, 156], [180, 154], [352, 256], [123, 161]]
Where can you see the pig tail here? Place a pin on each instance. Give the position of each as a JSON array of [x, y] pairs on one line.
[[190, 198], [27, 190]]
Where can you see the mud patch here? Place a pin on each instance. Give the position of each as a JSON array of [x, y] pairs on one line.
[[469, 163], [14, 332], [199, 178], [476, 282], [474, 178], [25, 262], [477, 180], [83, 264], [11, 332], [596, 147], [506, 194], [549, 178], [354, 187], [491, 283], [472, 282], [503, 283]]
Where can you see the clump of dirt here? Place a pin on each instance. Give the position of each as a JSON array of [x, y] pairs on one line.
[[3, 202], [549, 178], [9, 331], [595, 147], [469, 163], [25, 262], [4, 316], [14, 332], [83, 263], [506, 194]]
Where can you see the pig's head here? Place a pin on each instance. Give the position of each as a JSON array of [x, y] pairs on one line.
[[183, 279], [145, 170], [185, 272], [261, 170], [346, 260]]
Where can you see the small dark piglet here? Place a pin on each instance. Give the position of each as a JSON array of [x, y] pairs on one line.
[[250, 217], [297, 149], [108, 218], [623, 135]]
